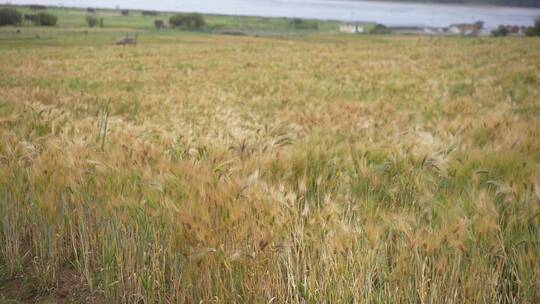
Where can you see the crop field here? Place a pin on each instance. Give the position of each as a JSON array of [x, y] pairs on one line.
[[198, 168]]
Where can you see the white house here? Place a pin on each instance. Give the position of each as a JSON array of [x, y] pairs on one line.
[[352, 28]]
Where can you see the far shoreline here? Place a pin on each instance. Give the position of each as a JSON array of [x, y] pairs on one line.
[[388, 3]]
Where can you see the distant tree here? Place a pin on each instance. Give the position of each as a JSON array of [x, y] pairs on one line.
[[158, 23], [91, 21], [150, 13], [91, 10], [32, 18], [10, 16], [379, 29], [479, 25], [299, 23], [45, 19], [188, 21], [534, 30], [176, 20], [196, 21], [37, 7], [125, 13], [501, 31]]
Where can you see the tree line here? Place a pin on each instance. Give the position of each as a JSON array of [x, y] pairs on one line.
[[10, 16]]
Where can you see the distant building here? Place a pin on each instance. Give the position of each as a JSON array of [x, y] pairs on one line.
[[434, 30], [465, 29], [352, 28], [417, 30], [515, 30]]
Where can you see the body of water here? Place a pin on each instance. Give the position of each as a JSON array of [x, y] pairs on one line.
[[389, 13]]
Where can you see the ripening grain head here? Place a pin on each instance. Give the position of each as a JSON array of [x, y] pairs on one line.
[[236, 169]]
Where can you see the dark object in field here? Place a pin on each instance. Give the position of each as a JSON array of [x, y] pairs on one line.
[[127, 40], [125, 13], [18, 31], [37, 7], [10, 16], [91, 10], [233, 33]]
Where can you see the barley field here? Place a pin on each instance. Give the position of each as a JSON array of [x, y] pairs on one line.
[[319, 169]]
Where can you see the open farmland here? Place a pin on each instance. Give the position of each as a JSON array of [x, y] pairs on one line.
[[318, 169]]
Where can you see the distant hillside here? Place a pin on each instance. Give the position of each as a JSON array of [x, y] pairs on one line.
[[522, 3]]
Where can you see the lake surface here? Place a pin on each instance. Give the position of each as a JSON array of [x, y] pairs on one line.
[[388, 13]]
